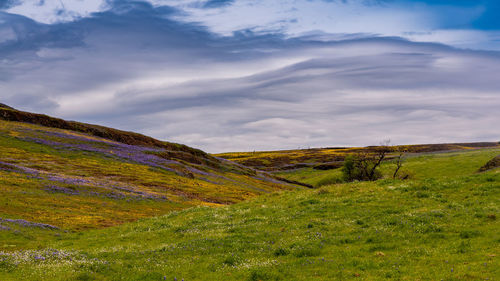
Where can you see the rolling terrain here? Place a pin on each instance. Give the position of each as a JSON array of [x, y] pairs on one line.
[[84, 202], [332, 157], [77, 176], [440, 225]]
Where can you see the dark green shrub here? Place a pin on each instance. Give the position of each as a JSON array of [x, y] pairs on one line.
[[361, 168], [231, 260], [281, 252], [467, 234]]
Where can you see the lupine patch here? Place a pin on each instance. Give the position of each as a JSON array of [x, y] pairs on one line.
[[81, 181]]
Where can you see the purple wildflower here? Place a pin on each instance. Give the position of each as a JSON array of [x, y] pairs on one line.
[[25, 223]]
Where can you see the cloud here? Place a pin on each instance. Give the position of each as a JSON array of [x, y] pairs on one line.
[[461, 22], [5, 4], [53, 11], [464, 39], [217, 3], [137, 68]]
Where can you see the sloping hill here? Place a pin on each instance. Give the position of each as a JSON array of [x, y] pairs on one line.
[[74, 176], [178, 151], [441, 226]]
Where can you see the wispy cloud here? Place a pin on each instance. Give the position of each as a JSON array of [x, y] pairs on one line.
[[53, 11], [217, 3], [456, 21], [136, 67]]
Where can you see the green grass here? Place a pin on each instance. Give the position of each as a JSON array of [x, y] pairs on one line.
[[417, 166], [449, 164], [440, 225], [316, 178]]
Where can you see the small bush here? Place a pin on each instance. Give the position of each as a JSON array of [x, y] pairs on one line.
[[361, 168], [231, 261], [350, 170], [466, 234], [281, 252]]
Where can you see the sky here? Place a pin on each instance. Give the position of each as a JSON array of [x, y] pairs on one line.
[[235, 75]]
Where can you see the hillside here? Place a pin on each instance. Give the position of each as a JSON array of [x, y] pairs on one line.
[[85, 202], [440, 225], [77, 176]]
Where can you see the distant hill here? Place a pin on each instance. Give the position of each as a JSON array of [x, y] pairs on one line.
[[73, 175], [332, 157]]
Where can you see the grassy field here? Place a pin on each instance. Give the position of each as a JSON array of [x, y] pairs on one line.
[[441, 224], [418, 166]]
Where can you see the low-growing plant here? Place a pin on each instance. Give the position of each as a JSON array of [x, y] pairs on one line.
[[281, 252], [231, 260], [329, 181], [361, 167]]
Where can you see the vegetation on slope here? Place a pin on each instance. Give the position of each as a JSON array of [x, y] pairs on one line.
[[183, 152], [440, 225], [74, 181]]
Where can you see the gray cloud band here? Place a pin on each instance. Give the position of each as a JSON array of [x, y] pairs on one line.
[[135, 68]]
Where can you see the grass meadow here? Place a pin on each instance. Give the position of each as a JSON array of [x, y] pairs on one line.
[[441, 224]]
